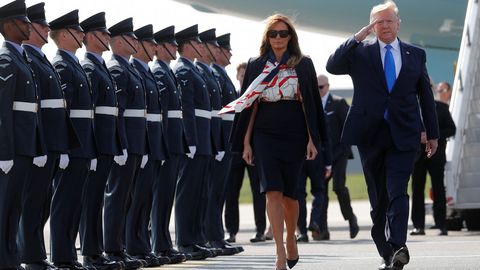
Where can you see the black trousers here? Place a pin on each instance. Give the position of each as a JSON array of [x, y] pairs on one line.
[[91, 225], [235, 181], [435, 166], [213, 222], [66, 209], [163, 198], [11, 197], [117, 201], [138, 217], [315, 170], [36, 210], [188, 205]]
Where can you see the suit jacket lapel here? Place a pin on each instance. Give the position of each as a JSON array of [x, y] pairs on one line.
[[374, 51], [404, 52]]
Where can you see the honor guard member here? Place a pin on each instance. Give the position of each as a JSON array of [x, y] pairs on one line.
[[107, 137], [164, 189], [132, 124], [138, 217], [20, 132], [197, 113], [222, 168], [68, 186], [59, 137], [212, 222]]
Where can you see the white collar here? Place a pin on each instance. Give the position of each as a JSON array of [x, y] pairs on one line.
[[395, 44]]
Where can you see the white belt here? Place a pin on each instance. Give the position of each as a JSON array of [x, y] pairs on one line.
[[134, 113], [215, 114], [203, 113], [52, 103], [228, 117], [25, 106], [106, 110], [175, 114], [81, 114], [154, 117]]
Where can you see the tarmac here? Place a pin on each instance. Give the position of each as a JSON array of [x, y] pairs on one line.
[[458, 250]]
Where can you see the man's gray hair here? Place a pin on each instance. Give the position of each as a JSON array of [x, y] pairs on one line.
[[381, 7]]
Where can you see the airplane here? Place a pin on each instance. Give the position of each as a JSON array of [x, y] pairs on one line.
[[435, 25]]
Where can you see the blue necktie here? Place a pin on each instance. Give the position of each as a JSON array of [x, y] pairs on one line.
[[389, 68]]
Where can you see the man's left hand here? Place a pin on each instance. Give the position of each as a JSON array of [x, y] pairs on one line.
[[431, 147]]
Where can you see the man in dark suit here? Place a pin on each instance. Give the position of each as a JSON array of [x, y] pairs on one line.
[[391, 86], [108, 142], [21, 139], [68, 185], [336, 109], [59, 136], [164, 190], [435, 167]]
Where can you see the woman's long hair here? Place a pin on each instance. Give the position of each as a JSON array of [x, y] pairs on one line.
[[293, 46]]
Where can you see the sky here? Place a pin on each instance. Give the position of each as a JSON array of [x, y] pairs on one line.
[[245, 34]]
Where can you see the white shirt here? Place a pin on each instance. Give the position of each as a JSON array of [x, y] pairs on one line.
[[324, 99], [397, 56]]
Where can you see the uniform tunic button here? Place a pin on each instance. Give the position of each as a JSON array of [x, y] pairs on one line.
[[136, 86], [28, 82], [81, 85], [108, 87], [50, 76]]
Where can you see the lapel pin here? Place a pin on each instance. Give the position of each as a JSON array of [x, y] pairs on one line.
[[407, 52]]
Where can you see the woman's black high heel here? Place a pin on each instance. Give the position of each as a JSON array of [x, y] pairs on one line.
[[292, 263]]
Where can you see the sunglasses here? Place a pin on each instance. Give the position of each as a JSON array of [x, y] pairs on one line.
[[321, 86], [275, 33]]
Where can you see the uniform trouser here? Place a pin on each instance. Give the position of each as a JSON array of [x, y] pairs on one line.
[[435, 167], [91, 227], [163, 197], [315, 170], [118, 194], [138, 217], [235, 180], [11, 189], [387, 171], [36, 210], [188, 205], [66, 209], [205, 202], [213, 221]]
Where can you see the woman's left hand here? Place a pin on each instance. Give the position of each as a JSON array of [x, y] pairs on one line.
[[311, 150]]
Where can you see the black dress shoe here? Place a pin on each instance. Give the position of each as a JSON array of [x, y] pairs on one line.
[[70, 265], [302, 238], [400, 258], [258, 237], [41, 265], [100, 262], [321, 235], [214, 252], [443, 232], [433, 227], [417, 231], [227, 250], [231, 238], [353, 225], [173, 255], [237, 247], [195, 252], [150, 259], [128, 261]]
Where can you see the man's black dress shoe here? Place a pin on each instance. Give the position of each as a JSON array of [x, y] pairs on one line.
[[100, 262], [196, 252], [231, 238], [258, 237], [150, 259], [237, 247], [173, 255], [41, 265], [128, 261], [303, 238], [70, 265], [400, 258], [417, 231], [321, 235], [433, 227], [353, 225], [227, 249], [443, 232]]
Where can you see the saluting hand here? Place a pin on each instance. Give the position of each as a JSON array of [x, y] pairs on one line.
[[365, 32], [431, 147]]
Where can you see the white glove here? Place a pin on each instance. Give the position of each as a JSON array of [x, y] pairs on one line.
[[40, 161], [144, 161], [64, 160], [93, 164], [122, 159], [6, 165], [220, 155], [192, 150]]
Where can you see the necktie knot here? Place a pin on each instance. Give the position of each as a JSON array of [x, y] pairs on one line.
[[388, 47]]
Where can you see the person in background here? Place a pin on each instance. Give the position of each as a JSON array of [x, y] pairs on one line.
[[279, 125], [435, 166], [237, 172]]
